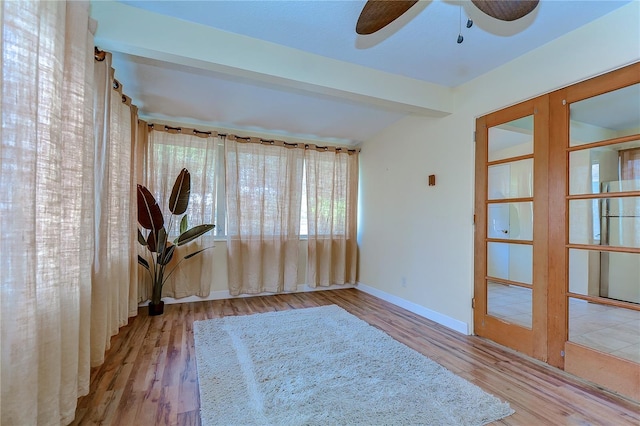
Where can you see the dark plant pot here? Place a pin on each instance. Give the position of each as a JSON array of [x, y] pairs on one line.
[[156, 309]]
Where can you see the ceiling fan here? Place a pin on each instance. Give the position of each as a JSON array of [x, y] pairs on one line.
[[377, 14]]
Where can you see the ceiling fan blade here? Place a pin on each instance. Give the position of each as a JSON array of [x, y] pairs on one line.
[[377, 14], [506, 10]]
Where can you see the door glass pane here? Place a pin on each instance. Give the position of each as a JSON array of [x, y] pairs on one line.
[[606, 221], [607, 116], [510, 221], [608, 329], [510, 217], [511, 139], [609, 168], [513, 262], [612, 275], [509, 303], [511, 180]]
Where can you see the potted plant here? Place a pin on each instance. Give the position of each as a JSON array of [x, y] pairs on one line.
[[160, 249]]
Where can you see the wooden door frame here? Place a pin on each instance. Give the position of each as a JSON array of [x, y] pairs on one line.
[[615, 373], [549, 337], [532, 341]]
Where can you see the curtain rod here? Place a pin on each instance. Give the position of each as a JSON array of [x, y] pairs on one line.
[[247, 139], [98, 54], [118, 88]]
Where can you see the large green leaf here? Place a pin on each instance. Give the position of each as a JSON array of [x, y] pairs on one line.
[[151, 242], [157, 240], [184, 224], [142, 261], [141, 238], [162, 240], [166, 257], [190, 255], [179, 199], [193, 233], [149, 213]]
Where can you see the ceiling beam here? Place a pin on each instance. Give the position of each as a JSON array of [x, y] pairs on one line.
[[127, 29]]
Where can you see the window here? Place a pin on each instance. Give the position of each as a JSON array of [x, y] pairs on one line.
[[170, 152], [264, 185], [304, 224]]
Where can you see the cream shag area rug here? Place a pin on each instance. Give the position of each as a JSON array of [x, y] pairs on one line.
[[324, 366]]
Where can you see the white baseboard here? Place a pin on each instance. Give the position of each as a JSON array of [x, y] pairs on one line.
[[449, 322], [224, 294], [452, 323]]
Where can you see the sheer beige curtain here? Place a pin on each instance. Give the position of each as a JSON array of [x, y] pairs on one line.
[[264, 186], [114, 288], [168, 152], [46, 209], [332, 199]]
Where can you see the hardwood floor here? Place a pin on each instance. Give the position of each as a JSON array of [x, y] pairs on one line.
[[149, 375]]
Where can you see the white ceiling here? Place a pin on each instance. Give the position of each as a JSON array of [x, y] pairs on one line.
[[298, 69]]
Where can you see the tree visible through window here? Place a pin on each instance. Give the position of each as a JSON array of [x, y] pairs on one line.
[[170, 154]]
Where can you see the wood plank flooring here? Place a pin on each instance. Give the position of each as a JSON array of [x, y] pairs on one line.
[[149, 375]]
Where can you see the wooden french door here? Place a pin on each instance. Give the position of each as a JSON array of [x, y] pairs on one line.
[[594, 271], [511, 229], [557, 229]]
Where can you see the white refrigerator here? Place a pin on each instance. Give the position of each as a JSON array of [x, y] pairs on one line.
[[620, 226]]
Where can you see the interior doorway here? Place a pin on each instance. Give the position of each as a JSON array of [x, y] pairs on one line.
[[557, 244], [510, 160]]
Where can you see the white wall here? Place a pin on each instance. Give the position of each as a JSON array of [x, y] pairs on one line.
[[423, 236]]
